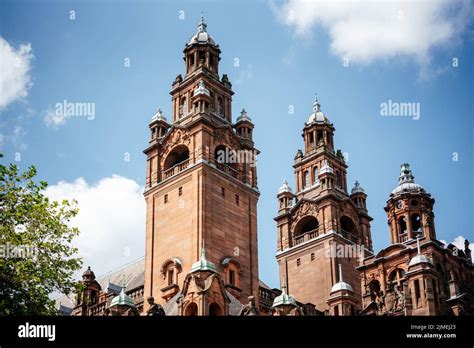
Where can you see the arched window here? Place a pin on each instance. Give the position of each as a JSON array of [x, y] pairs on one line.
[[170, 270], [232, 270], [396, 279], [215, 310], [178, 155], [402, 229], [306, 225], [220, 107], [183, 107], [306, 181], [315, 176], [191, 309], [416, 223], [338, 179], [348, 228], [374, 289]]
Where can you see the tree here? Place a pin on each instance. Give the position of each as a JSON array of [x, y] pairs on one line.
[[36, 255]]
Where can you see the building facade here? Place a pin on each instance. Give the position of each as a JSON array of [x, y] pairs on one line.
[[321, 216], [201, 254]]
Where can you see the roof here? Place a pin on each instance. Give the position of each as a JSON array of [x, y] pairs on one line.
[[132, 274]]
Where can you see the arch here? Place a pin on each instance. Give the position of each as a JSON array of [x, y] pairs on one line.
[[374, 289], [415, 222], [215, 310], [220, 107], [305, 225], [396, 278], [178, 155], [306, 180], [183, 107], [338, 179], [402, 229], [315, 175], [191, 310], [347, 225]]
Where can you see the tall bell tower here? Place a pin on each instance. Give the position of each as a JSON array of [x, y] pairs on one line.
[[321, 226], [201, 183]]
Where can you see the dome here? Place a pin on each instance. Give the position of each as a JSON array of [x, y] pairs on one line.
[[158, 116], [202, 37], [284, 188], [357, 188], [339, 286], [317, 116], [88, 272], [419, 259], [408, 187], [284, 299], [406, 181], [243, 116], [122, 299]]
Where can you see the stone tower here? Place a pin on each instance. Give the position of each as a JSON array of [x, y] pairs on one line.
[[410, 210], [320, 219], [201, 183]]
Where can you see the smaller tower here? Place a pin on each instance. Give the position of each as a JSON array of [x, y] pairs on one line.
[[158, 125], [359, 197], [342, 300], [410, 210], [89, 295], [285, 197], [422, 278], [244, 125]]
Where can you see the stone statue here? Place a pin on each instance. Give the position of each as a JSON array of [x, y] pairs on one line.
[[399, 299], [155, 309], [249, 309]]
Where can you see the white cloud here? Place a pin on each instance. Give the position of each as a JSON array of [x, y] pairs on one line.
[[368, 30], [459, 243], [53, 119], [111, 220], [15, 65]]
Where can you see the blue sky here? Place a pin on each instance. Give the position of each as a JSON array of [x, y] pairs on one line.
[[282, 63]]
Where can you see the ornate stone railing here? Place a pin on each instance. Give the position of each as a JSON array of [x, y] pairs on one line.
[[228, 170], [306, 236], [177, 168]]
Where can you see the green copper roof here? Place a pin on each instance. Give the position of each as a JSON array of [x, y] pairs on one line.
[[284, 299], [122, 299], [203, 264]]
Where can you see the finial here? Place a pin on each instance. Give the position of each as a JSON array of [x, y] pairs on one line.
[[405, 174], [418, 244], [316, 105], [340, 273], [203, 250], [283, 286], [202, 25]]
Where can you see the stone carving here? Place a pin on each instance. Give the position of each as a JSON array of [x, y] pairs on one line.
[[155, 309], [250, 309]]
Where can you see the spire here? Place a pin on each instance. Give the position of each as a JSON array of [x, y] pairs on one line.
[[316, 104], [202, 26], [203, 264], [406, 175]]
